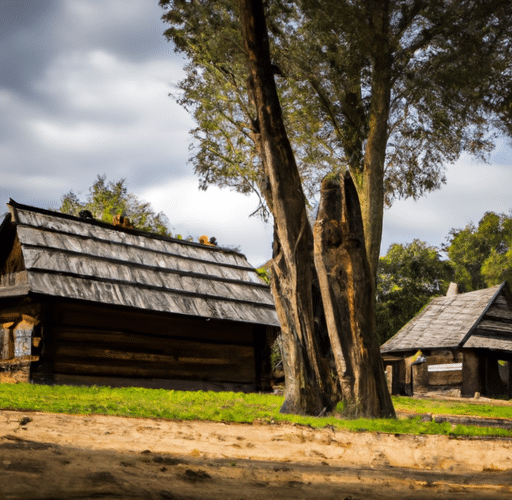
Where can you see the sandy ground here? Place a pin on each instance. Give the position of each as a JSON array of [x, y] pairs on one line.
[[58, 456]]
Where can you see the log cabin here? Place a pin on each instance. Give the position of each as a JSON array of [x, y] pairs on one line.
[[85, 302], [460, 343]]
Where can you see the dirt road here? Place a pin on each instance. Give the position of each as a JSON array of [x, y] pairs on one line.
[[56, 456]]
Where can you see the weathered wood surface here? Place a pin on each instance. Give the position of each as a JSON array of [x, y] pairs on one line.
[[79, 265], [497, 326], [103, 232], [14, 291], [19, 361], [445, 378], [12, 271], [70, 258], [444, 323], [490, 339], [178, 346], [192, 371], [132, 295], [216, 356], [195, 301], [77, 317], [347, 292], [69, 244], [103, 342]]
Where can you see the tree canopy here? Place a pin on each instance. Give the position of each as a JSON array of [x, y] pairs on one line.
[[408, 277], [482, 255], [105, 200], [390, 90]]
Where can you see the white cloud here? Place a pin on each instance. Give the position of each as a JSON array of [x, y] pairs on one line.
[[215, 212], [472, 189], [98, 84], [91, 97]]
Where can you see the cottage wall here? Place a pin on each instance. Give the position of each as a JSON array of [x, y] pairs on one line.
[[445, 378], [89, 344], [19, 341], [410, 377]]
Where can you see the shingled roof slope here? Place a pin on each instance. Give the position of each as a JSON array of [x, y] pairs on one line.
[[447, 322], [67, 257], [494, 331]]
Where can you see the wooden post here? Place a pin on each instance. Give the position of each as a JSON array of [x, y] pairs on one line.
[[6, 341], [23, 338], [509, 382]]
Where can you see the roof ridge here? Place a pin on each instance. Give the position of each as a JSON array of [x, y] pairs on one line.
[[106, 225]]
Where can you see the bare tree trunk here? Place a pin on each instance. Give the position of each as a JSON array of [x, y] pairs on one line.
[[347, 291], [308, 385], [311, 385], [370, 180]]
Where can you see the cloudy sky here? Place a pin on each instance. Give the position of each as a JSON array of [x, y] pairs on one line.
[[84, 90]]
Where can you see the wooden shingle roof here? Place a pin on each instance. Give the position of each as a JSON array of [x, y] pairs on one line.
[[479, 319], [68, 257]]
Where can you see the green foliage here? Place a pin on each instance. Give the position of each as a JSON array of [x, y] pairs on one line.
[[482, 255], [408, 277], [229, 407], [449, 69], [108, 199], [264, 273]]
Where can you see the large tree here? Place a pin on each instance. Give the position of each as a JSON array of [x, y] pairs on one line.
[[332, 262], [368, 89], [391, 90]]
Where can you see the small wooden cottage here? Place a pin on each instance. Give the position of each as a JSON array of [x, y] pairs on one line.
[[85, 302], [461, 341]]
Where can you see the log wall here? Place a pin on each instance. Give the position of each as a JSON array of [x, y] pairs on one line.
[[90, 344]]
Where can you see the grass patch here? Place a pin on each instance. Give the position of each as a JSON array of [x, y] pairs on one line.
[[437, 407], [222, 407]]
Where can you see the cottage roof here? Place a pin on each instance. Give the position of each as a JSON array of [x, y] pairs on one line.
[[68, 257], [480, 319]]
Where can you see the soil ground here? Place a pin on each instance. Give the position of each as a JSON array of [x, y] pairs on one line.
[[57, 456]]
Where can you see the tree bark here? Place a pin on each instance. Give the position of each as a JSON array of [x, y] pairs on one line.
[[309, 386], [369, 180], [347, 289]]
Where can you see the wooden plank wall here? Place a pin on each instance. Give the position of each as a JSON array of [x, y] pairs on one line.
[[12, 269], [91, 341]]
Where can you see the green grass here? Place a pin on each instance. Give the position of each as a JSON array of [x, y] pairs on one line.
[[437, 407], [226, 407]]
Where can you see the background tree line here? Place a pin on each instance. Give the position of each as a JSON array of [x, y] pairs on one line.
[[409, 275]]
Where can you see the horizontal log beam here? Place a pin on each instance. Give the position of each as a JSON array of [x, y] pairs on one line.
[[192, 371], [219, 357], [99, 336]]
